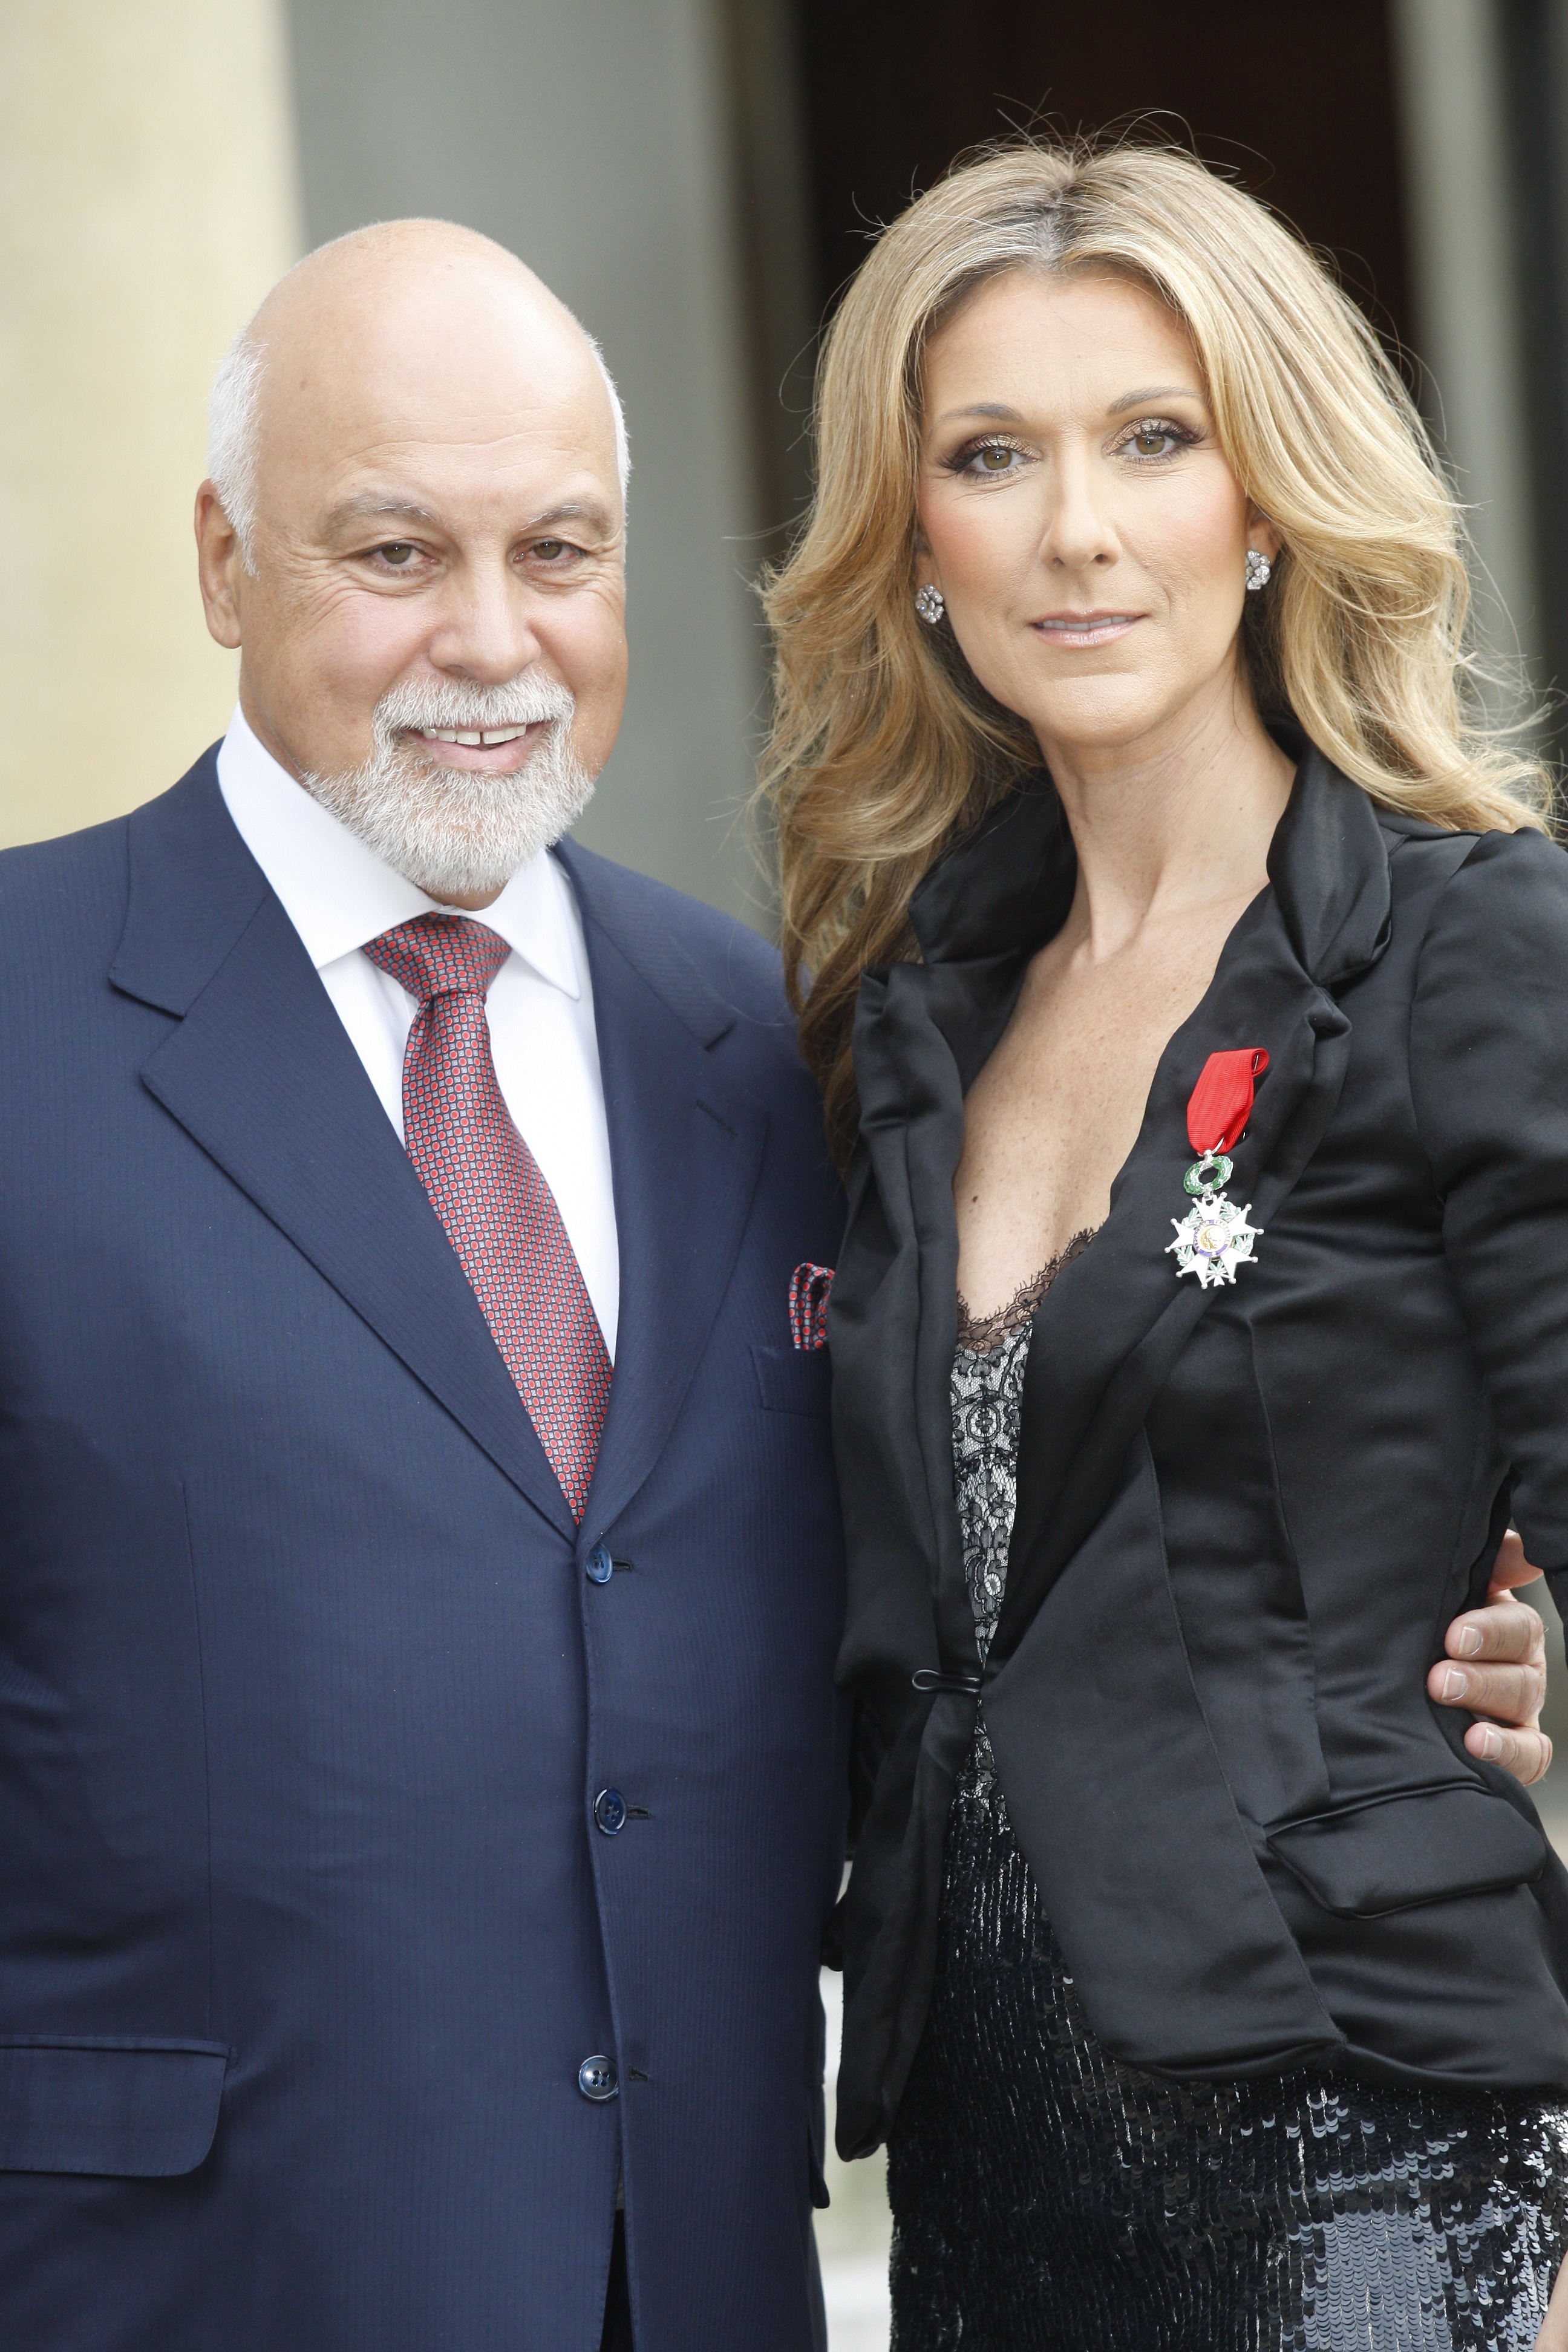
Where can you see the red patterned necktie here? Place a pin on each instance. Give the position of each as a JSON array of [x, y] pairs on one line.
[[489, 1190]]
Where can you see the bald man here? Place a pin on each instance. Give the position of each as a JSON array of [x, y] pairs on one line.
[[421, 1786]]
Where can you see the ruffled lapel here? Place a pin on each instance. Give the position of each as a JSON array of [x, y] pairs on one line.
[[922, 1032], [1109, 1329]]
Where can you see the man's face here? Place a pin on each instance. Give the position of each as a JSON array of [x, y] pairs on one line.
[[438, 511]]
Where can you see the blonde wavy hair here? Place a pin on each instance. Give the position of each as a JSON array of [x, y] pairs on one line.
[[884, 746]]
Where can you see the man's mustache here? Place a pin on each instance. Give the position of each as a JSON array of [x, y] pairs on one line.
[[522, 701]]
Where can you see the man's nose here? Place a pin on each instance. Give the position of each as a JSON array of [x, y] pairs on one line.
[[485, 629]]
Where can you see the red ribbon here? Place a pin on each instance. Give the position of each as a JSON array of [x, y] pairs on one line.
[[1221, 1102]]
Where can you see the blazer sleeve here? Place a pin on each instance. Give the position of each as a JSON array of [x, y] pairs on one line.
[[1488, 1063]]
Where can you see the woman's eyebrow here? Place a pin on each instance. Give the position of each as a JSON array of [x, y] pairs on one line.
[[1152, 391], [982, 408], [999, 410]]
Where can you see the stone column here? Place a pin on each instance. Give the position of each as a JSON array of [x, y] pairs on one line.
[[1464, 258], [595, 138]]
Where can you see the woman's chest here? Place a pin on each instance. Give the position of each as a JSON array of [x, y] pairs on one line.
[[1057, 1110]]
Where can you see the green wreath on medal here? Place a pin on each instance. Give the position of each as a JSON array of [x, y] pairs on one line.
[[1214, 1236]]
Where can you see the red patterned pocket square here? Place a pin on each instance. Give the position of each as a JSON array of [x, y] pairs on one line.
[[809, 1290]]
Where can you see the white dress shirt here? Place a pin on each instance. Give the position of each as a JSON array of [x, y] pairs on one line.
[[338, 894]]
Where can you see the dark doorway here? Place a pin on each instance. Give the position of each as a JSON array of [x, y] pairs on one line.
[[1296, 98]]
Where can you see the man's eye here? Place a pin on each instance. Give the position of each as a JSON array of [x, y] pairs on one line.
[[550, 548], [398, 553]]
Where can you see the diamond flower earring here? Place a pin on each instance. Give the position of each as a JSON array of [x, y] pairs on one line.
[[930, 605], [1258, 568]]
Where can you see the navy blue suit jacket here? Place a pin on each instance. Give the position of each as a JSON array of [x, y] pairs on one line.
[[306, 1695]]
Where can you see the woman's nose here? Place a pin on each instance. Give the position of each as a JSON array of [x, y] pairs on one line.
[[1078, 531]]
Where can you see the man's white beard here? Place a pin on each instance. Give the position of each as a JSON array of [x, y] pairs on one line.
[[458, 833]]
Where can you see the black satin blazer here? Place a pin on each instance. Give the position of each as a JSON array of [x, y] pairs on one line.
[[1245, 1515]]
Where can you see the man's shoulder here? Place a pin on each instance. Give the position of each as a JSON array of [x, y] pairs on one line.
[[744, 970], [68, 890], [69, 896]]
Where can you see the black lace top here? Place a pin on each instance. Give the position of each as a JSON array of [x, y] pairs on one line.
[[988, 1368]]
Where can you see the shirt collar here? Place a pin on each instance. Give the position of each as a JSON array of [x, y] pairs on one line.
[[337, 893]]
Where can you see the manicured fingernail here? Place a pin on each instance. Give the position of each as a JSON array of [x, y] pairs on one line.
[[1491, 1744], [1454, 1683], [1470, 1640]]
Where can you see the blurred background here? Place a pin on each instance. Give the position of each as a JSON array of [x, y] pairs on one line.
[[697, 178]]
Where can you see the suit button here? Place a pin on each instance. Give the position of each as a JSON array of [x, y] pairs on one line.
[[597, 2079], [610, 1810], [601, 1567]]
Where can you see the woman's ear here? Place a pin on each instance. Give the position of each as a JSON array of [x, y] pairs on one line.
[[1264, 535], [925, 571]]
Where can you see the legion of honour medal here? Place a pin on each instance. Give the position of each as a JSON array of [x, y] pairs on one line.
[[1214, 1238]]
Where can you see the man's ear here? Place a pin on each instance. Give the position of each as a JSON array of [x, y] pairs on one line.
[[218, 556]]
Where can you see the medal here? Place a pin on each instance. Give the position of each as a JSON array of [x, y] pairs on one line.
[[1214, 1238]]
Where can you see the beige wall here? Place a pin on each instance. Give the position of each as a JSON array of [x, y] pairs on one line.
[[147, 200]]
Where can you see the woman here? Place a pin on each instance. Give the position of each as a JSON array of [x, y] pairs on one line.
[[1205, 1287]]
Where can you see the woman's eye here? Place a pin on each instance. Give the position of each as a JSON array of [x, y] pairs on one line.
[[991, 462], [1154, 440]]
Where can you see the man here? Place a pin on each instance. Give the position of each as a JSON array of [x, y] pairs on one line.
[[420, 1781]]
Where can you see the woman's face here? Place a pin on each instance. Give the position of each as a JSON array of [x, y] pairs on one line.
[[1077, 512]]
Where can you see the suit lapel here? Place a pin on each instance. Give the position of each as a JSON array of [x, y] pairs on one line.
[[260, 1073], [686, 1146]]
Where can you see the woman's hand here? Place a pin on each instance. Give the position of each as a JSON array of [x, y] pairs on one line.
[[1496, 1667]]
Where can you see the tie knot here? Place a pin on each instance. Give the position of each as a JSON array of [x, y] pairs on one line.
[[439, 955]]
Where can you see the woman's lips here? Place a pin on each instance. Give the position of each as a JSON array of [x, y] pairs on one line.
[[1085, 628]]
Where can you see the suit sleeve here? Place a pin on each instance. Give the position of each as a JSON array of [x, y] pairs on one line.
[[1489, 1066]]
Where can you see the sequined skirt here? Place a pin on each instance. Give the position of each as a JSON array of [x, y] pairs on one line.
[[1047, 2199]]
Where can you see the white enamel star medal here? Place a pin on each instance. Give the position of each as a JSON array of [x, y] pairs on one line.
[[1214, 1237]]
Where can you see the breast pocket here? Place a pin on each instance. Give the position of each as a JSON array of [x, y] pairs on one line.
[[794, 1379]]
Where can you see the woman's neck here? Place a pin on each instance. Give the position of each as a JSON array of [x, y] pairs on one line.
[[1177, 821]]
